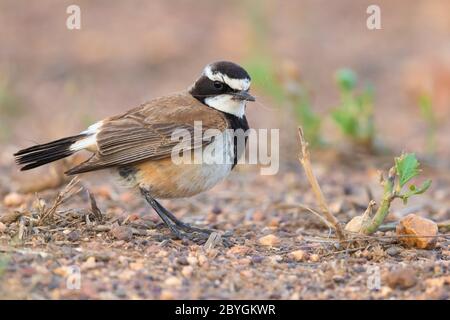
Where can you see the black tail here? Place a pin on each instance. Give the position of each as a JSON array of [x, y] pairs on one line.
[[41, 154]]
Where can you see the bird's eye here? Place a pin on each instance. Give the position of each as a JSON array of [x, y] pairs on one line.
[[218, 85]]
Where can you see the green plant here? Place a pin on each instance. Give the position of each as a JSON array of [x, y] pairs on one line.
[[405, 169], [309, 120], [354, 115], [264, 77], [427, 112]]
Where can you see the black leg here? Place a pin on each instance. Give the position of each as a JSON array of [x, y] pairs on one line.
[[178, 228], [161, 214], [182, 225]]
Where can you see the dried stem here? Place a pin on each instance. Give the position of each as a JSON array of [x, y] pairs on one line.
[[306, 163], [94, 208], [60, 198]]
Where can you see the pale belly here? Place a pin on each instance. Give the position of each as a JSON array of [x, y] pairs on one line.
[[165, 179]]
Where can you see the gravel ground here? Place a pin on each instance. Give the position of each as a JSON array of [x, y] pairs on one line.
[[120, 250]]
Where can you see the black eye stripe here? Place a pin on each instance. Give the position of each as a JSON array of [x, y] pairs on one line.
[[205, 87]]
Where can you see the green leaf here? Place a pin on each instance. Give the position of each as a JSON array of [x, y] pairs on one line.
[[346, 121], [407, 167], [424, 187], [346, 79]]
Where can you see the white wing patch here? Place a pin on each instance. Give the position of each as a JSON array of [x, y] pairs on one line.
[[90, 142], [236, 84]]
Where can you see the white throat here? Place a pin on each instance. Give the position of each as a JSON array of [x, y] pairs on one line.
[[226, 103]]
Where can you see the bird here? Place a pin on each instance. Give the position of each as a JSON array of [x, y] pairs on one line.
[[136, 146]]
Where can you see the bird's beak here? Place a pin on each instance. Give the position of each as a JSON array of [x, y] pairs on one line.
[[243, 95]]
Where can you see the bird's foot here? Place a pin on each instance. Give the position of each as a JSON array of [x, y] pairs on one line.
[[199, 235], [180, 229]]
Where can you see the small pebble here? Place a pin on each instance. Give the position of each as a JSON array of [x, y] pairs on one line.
[[62, 271], [298, 255], [89, 263], [238, 250], [402, 278], [166, 295], [122, 233], [393, 251], [193, 261], [216, 210], [276, 259], [413, 227], [13, 199], [162, 254], [274, 222], [136, 266], [202, 259], [257, 259], [338, 278], [187, 271], [173, 282], [75, 235], [182, 261], [270, 240]]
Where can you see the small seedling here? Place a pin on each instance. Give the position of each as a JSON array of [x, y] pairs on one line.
[[264, 77], [309, 120], [405, 169], [354, 115]]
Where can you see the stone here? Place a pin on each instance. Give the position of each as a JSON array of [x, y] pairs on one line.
[[90, 263], [239, 250], [421, 232], [402, 278], [13, 199], [136, 266], [314, 257], [166, 295], [193, 261], [270, 240], [187, 271], [393, 251], [298, 255], [74, 235], [173, 282], [122, 233]]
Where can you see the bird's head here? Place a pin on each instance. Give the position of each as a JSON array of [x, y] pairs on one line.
[[224, 86]]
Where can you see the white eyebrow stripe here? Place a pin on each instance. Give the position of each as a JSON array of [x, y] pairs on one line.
[[236, 84]]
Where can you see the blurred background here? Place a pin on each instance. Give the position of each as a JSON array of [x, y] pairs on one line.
[[313, 63]]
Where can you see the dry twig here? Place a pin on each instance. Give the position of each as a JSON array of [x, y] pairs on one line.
[[306, 163], [94, 208], [60, 198]]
